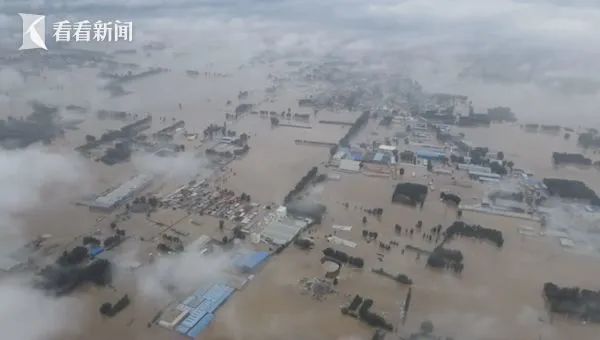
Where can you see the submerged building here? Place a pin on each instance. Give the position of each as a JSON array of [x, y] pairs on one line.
[[119, 195], [283, 231]]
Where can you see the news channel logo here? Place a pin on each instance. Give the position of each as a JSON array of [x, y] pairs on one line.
[[64, 31]]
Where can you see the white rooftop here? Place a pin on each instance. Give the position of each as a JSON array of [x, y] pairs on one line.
[[114, 196], [283, 231], [349, 165]]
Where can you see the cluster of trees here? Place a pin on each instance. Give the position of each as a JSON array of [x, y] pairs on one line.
[[63, 280], [163, 248], [114, 240], [243, 95], [408, 156], [304, 243], [90, 139], [375, 211], [358, 124], [242, 140], [567, 188], [532, 126], [121, 152], [110, 310], [450, 197], [320, 178], [398, 278], [361, 307], [170, 238], [550, 128], [244, 197], [474, 119], [459, 228], [73, 257], [573, 301], [501, 114], [333, 150], [142, 200], [410, 193], [440, 256], [302, 116], [570, 158], [239, 233], [386, 121], [479, 155], [89, 240], [369, 235], [498, 168], [212, 129], [224, 154], [242, 108], [314, 211], [589, 139], [457, 159], [343, 257], [378, 335], [373, 319], [175, 243], [304, 181], [356, 302], [305, 102], [446, 258]]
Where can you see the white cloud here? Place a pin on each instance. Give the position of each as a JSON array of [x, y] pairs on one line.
[[27, 314], [24, 174]]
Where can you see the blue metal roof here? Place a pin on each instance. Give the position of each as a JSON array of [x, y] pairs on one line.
[[204, 302], [182, 329], [251, 261], [192, 301], [192, 319], [201, 325], [96, 251], [208, 305], [356, 155], [201, 291]]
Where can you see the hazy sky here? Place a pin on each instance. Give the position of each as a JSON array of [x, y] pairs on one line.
[[539, 56]]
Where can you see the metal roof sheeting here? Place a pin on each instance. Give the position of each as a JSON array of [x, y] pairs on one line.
[[182, 329], [430, 154], [96, 251], [282, 232], [203, 303], [349, 165], [387, 147], [122, 192], [484, 174], [201, 326], [250, 262]]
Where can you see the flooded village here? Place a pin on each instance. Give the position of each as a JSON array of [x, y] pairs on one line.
[[297, 198], [328, 215]]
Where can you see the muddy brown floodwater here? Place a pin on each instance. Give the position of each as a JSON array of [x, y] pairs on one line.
[[497, 296]]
